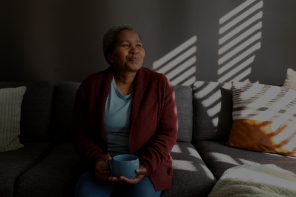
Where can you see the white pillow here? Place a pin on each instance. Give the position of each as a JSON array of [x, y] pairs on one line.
[[291, 79], [10, 117]]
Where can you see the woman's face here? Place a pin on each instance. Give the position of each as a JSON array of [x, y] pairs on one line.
[[128, 53]]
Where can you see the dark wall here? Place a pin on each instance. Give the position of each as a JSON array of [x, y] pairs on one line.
[[60, 40]]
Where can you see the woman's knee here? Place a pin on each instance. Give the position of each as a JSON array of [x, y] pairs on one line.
[[83, 184], [88, 186], [144, 188]]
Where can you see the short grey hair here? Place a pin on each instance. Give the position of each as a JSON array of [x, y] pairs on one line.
[[109, 39]]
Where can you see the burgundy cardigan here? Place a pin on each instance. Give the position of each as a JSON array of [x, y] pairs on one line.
[[153, 124]]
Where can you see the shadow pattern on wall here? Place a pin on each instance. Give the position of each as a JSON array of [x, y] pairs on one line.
[[240, 34], [178, 65]]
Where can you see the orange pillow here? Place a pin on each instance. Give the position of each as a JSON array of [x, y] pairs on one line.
[[264, 118]]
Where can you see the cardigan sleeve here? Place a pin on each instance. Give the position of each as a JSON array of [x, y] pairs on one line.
[[86, 148], [161, 144]]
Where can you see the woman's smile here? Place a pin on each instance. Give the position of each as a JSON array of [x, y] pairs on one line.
[[134, 59]]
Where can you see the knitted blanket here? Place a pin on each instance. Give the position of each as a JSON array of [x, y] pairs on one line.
[[255, 180]]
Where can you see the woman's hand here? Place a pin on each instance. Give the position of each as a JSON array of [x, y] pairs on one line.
[[102, 169], [125, 181]]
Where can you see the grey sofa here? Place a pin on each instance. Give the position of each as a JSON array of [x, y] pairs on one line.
[[200, 155]]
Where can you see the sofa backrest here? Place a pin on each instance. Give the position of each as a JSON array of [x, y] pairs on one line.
[[183, 96], [212, 110], [62, 112], [36, 109], [63, 107]]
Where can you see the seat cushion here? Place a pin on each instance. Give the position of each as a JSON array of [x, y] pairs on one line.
[[36, 105], [63, 107], [191, 177], [212, 110], [14, 163], [50, 175], [220, 157]]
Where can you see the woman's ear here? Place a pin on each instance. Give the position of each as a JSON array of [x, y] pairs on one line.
[[110, 57]]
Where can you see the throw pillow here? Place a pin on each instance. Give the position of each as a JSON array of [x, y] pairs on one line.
[[10, 116], [291, 79], [264, 118]]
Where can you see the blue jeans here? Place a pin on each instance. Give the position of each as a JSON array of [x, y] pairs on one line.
[[88, 186]]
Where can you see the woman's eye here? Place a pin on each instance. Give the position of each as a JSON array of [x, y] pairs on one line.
[[139, 45], [125, 45]]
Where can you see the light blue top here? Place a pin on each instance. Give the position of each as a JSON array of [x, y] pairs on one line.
[[116, 121]]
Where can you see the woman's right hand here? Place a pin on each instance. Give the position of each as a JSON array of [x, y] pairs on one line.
[[102, 169]]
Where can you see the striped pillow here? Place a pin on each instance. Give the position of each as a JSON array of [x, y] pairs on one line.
[[264, 118], [10, 116]]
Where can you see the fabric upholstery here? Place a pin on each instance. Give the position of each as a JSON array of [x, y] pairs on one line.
[[264, 118], [290, 81], [36, 109], [212, 109], [191, 177], [185, 113], [187, 165], [63, 107], [48, 177], [220, 157], [10, 117], [14, 163]]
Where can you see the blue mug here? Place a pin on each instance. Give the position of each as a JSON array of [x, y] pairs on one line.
[[124, 165]]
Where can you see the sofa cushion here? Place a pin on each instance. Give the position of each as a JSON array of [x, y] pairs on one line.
[[183, 96], [49, 176], [10, 117], [220, 157], [63, 107], [14, 163], [36, 109], [212, 110], [191, 177]]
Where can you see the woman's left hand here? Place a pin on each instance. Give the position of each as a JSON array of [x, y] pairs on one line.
[[125, 181]]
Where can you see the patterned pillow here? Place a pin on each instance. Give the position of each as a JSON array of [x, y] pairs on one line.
[[264, 118], [10, 116], [291, 79]]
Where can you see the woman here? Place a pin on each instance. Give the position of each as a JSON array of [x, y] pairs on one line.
[[125, 109]]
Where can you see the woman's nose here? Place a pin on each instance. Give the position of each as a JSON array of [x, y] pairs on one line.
[[134, 50]]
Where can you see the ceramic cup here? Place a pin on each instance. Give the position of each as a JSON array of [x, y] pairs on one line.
[[124, 165]]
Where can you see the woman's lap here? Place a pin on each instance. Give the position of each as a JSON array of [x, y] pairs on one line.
[[88, 186]]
